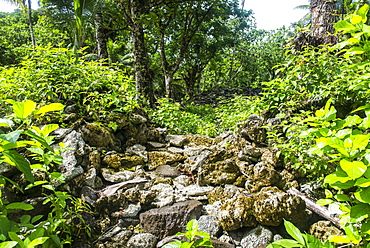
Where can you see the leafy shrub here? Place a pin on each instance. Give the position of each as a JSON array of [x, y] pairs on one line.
[[230, 112], [345, 143], [51, 230], [191, 234], [299, 239], [171, 116], [55, 75], [14, 39]]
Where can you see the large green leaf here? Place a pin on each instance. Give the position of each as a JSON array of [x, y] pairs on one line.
[[192, 225], [356, 19], [4, 226], [287, 243], [37, 241], [21, 163], [362, 182], [50, 108], [46, 130], [294, 232], [354, 169], [174, 244], [360, 211], [334, 142], [203, 243], [23, 109], [360, 141], [345, 26], [363, 12]]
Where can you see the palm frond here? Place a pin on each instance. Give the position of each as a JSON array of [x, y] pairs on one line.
[[303, 7]]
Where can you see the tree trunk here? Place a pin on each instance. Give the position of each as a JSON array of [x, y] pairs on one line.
[[101, 36], [29, 10], [192, 79], [322, 20], [322, 30], [144, 84]]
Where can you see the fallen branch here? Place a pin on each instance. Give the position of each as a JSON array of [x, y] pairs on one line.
[[110, 190], [322, 211]]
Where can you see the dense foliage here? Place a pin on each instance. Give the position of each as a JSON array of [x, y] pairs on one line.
[[91, 60]]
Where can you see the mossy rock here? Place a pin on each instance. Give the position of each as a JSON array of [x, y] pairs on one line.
[[237, 212]]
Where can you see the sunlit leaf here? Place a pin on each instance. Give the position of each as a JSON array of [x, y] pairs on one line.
[[8, 244], [354, 169], [19, 205], [23, 109], [294, 232], [50, 108]]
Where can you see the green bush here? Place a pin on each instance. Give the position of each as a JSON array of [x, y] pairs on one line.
[[230, 112], [53, 229], [345, 144], [299, 239], [178, 121], [191, 234], [55, 75]]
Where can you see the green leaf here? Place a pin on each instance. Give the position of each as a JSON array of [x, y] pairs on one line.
[[19, 205], [192, 225], [354, 169], [202, 242], [4, 225], [323, 202], [344, 26], [360, 212], [363, 12], [362, 182], [360, 141], [343, 133], [23, 109], [203, 234], [13, 236], [342, 197], [50, 108], [39, 139], [334, 143], [355, 51], [21, 163], [287, 243], [363, 195], [11, 137], [46, 130], [353, 120], [365, 227], [339, 239], [8, 244], [294, 232], [356, 19], [37, 241]]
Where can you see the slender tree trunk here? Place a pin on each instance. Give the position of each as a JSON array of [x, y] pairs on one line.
[[29, 10], [192, 79]]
